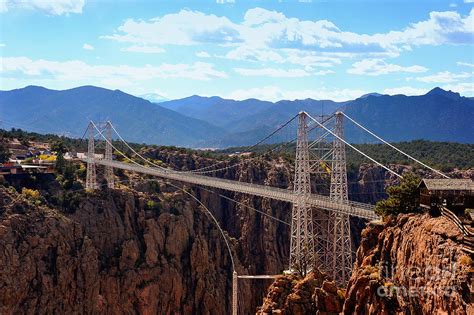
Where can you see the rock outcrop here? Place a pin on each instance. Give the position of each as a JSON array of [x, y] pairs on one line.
[[113, 255], [412, 264], [154, 247], [149, 249], [315, 294]]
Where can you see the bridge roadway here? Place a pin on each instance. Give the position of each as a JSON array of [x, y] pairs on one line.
[[352, 208]]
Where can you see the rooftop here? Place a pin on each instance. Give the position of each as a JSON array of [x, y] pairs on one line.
[[448, 184]]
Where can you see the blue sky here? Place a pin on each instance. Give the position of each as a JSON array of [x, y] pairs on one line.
[[240, 49]]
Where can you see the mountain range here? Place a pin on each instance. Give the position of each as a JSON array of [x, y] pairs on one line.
[[198, 121]]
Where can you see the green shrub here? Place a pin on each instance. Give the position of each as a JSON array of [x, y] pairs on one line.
[[152, 205], [403, 198]]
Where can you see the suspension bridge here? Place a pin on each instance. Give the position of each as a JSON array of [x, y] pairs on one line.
[[320, 234]]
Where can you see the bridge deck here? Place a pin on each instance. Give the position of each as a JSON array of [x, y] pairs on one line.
[[323, 202]]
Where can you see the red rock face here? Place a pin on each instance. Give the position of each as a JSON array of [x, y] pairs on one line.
[[314, 294], [112, 254], [413, 264], [111, 259]]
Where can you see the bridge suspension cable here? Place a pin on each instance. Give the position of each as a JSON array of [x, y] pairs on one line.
[[213, 218], [223, 196], [204, 171], [354, 148], [136, 153], [194, 171], [394, 147], [114, 147], [244, 205]]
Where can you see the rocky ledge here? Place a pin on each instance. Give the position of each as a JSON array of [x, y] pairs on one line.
[[412, 264], [314, 294]]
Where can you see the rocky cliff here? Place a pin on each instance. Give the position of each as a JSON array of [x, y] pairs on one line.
[[315, 294], [113, 254], [412, 264], [146, 247]]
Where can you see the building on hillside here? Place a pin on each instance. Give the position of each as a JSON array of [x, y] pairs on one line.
[[17, 144], [10, 168], [18, 154], [454, 194], [40, 145], [83, 155]]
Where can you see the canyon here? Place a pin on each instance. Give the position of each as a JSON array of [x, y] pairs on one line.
[[149, 248]]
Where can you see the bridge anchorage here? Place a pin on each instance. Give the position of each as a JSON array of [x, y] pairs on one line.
[[320, 234]]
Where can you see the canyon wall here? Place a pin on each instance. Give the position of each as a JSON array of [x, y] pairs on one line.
[[412, 264], [112, 255], [147, 247]]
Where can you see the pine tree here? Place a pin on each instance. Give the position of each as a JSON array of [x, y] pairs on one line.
[[403, 198]]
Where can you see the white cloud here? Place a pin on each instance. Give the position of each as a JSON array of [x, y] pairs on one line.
[[2, 45], [465, 64], [87, 47], [259, 16], [310, 59], [52, 7], [453, 5], [273, 93], [375, 67], [271, 72], [444, 77], [272, 31], [468, 1], [251, 54], [3, 6], [78, 70], [144, 49], [442, 28], [280, 73], [293, 56], [406, 90], [203, 54], [183, 28], [466, 88], [224, 1]]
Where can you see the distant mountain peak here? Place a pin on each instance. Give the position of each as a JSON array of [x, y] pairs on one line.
[[199, 97], [154, 97], [371, 94], [440, 91]]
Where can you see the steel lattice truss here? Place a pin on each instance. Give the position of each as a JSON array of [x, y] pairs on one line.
[[339, 230], [91, 176], [302, 241], [331, 229], [109, 171]]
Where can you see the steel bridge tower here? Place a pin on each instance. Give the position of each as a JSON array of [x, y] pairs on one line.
[[302, 255], [109, 171], [339, 232], [91, 176]]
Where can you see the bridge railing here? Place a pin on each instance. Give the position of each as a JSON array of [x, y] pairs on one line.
[[324, 202], [276, 189]]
